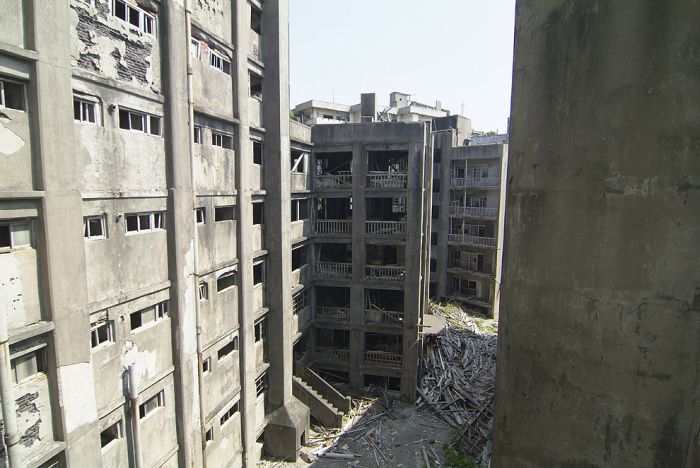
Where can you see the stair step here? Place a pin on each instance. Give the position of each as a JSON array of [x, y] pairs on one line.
[[311, 390]]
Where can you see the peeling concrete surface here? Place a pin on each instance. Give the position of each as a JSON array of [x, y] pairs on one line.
[[10, 142], [77, 399]]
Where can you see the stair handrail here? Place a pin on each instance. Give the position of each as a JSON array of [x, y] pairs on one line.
[[326, 390]]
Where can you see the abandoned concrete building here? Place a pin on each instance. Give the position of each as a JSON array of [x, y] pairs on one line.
[[467, 202], [163, 335]]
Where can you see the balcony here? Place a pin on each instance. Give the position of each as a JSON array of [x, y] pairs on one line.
[[333, 314], [383, 317], [392, 273], [385, 228], [383, 358], [334, 270], [476, 182], [468, 267], [328, 353], [341, 180], [473, 212], [470, 296], [466, 239], [387, 180], [333, 227]]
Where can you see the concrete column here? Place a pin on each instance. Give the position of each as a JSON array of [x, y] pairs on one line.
[[181, 264], [357, 287], [244, 162], [412, 285], [60, 245], [500, 231], [444, 141]]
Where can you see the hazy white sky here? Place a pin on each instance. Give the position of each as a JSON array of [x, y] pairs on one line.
[[456, 51]]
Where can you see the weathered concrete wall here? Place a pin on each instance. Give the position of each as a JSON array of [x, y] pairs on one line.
[[213, 166], [219, 313], [12, 24], [216, 16], [223, 381], [216, 239], [15, 150], [225, 450], [213, 91], [600, 331]]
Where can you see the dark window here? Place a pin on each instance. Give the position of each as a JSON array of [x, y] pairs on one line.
[[300, 209], [433, 264], [259, 273], [436, 185], [436, 212], [111, 433], [299, 257], [437, 155], [229, 414], [150, 405], [255, 20], [258, 213], [201, 215], [257, 152], [225, 281], [228, 348], [255, 85], [224, 213], [433, 238], [11, 95]]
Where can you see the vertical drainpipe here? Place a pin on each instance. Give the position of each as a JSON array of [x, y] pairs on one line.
[[134, 405], [195, 247], [8, 411]]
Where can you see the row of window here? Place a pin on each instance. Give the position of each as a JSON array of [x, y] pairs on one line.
[[228, 280], [102, 332], [115, 431], [95, 227]]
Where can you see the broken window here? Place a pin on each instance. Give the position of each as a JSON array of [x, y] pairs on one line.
[[224, 213], [28, 365], [300, 209], [203, 291], [218, 61], [228, 414], [197, 134], [102, 333], [258, 273], [15, 235], [152, 314], [261, 384], [12, 95], [255, 86], [200, 215], [111, 433], [85, 111], [226, 280], [299, 160], [300, 300], [255, 20], [258, 213], [139, 122], [139, 222], [94, 227], [152, 404], [135, 16], [221, 140], [194, 48], [228, 348], [260, 331], [257, 152], [209, 435], [206, 365], [299, 257]]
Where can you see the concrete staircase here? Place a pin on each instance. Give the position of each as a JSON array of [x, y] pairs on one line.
[[326, 403]]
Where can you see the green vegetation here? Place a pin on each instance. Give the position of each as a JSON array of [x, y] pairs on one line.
[[456, 459]]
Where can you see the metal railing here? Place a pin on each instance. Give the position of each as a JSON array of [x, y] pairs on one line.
[[473, 211], [385, 228], [385, 272], [466, 239], [476, 181], [336, 314], [383, 357], [384, 317], [329, 353], [343, 179], [334, 270], [383, 179], [334, 226]]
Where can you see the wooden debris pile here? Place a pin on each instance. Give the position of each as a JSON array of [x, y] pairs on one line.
[[459, 376]]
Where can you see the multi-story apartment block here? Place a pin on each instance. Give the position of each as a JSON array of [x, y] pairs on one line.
[[163, 335], [468, 208], [371, 187]]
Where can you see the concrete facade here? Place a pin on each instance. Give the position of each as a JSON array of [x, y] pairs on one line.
[[369, 195], [599, 334], [177, 151]]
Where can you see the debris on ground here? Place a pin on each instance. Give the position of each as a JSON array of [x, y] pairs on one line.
[[459, 379]]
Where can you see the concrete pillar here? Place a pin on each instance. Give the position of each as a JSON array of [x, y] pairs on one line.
[[289, 418], [599, 333], [357, 287], [443, 140], [181, 261], [60, 245]]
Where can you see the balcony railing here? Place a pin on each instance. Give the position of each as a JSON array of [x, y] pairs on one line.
[[334, 226], [335, 314], [382, 179], [385, 272], [385, 228], [329, 353], [334, 270], [466, 239], [383, 358], [383, 317], [484, 269], [485, 182], [343, 179], [473, 211]]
